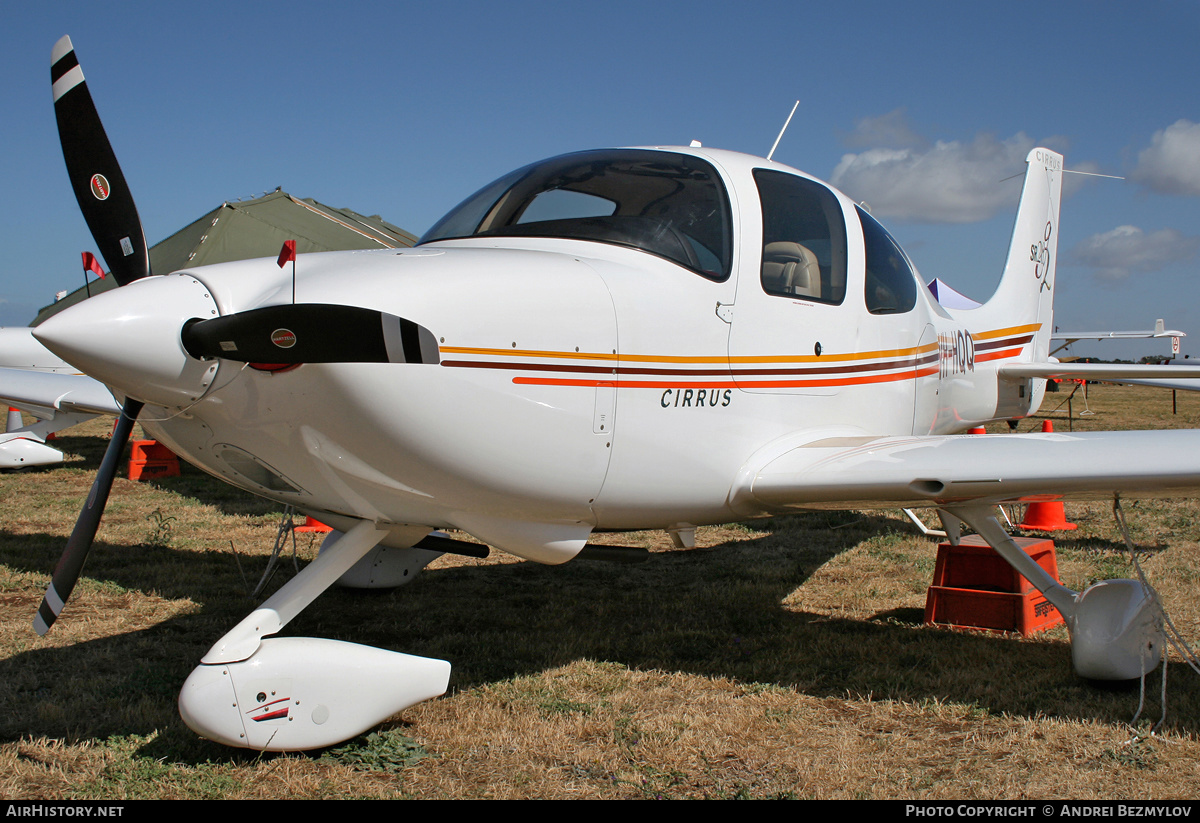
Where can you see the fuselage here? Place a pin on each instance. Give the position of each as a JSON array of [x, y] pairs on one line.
[[590, 383]]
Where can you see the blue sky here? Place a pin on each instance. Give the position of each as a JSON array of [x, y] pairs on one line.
[[919, 108]]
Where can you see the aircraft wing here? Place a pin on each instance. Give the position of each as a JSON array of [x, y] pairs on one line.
[[1116, 335], [1183, 378], [945, 470], [43, 393], [1182, 384], [1160, 330], [1116, 372]]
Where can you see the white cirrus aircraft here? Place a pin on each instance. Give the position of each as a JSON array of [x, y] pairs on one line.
[[646, 338]]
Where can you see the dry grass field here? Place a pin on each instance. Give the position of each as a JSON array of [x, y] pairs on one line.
[[785, 658]]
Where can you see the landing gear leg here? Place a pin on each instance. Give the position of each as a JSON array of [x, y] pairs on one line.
[[1116, 625]]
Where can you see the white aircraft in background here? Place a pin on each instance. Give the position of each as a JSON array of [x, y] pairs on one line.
[[1159, 331], [648, 338], [55, 393]]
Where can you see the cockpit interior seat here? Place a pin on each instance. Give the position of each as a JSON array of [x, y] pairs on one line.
[[790, 268]]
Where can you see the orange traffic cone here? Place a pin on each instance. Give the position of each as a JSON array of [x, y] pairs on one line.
[[977, 430], [1046, 517]]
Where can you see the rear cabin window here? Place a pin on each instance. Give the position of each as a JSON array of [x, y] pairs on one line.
[[671, 205], [891, 286], [804, 238]]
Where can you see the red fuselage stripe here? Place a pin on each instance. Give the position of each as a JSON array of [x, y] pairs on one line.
[[743, 384]]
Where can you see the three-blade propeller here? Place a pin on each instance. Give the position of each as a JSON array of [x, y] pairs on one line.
[[112, 217], [274, 336]]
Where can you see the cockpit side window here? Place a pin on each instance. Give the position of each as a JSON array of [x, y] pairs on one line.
[[804, 238], [891, 286], [671, 205]]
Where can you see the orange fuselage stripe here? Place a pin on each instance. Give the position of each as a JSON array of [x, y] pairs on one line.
[[669, 358], [914, 367]]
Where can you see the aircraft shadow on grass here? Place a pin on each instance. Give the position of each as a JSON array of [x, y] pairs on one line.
[[712, 612]]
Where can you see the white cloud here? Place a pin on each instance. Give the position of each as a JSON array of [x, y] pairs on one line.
[[1117, 254], [891, 130], [948, 182], [1171, 165]]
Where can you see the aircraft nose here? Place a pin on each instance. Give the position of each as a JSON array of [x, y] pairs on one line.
[[129, 338]]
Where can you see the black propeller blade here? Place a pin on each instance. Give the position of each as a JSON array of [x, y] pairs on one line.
[[70, 565], [107, 205], [311, 333], [100, 187]]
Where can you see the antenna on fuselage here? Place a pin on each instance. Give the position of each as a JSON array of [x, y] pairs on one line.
[[781, 131]]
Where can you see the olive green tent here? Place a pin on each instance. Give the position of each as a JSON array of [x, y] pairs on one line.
[[256, 228]]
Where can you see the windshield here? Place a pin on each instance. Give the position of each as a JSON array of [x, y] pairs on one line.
[[671, 205]]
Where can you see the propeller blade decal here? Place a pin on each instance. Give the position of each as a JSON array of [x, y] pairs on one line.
[[104, 197], [311, 333], [70, 565]]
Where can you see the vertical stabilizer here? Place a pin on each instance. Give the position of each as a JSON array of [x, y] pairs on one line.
[[1025, 296]]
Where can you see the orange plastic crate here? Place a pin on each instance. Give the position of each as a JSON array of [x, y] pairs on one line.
[[150, 460], [974, 587], [142, 451]]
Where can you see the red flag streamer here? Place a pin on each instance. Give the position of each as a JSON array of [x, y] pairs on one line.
[[288, 252], [90, 263]]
